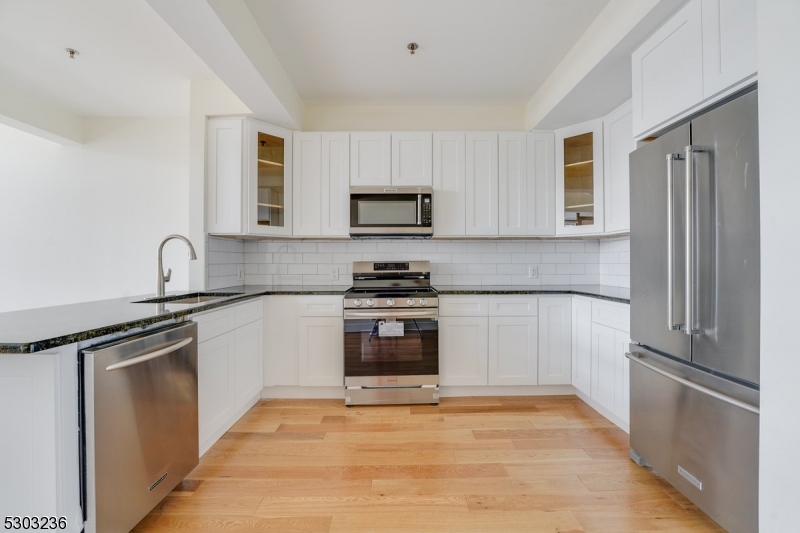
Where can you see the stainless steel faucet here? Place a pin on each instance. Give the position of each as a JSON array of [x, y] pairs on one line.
[[164, 278]]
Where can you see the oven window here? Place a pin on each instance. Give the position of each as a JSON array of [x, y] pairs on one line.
[[382, 212], [410, 347]]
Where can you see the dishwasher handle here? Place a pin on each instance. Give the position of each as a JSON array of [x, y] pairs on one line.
[[150, 355]]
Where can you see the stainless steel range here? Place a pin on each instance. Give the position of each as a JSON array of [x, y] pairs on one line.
[[391, 334]]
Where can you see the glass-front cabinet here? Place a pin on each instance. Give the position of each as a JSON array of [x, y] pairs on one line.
[[579, 179], [249, 178]]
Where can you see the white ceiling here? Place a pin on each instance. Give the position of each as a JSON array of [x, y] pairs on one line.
[[471, 52], [130, 64]]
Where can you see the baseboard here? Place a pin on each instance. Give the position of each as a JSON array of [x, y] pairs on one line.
[[507, 390], [305, 393], [605, 412]]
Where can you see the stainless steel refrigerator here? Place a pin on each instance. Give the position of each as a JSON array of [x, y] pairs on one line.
[[695, 310]]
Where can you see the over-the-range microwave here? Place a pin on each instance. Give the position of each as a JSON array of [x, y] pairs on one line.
[[391, 212]]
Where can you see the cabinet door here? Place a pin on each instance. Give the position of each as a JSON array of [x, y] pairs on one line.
[[370, 159], [582, 345], [249, 367], [281, 364], [449, 185], [224, 153], [411, 159], [729, 43], [541, 204], [215, 387], [622, 401], [307, 183], [618, 143], [604, 370], [513, 350], [667, 71], [269, 191], [335, 190], [555, 341], [481, 176], [513, 184], [463, 350], [579, 179], [321, 348]]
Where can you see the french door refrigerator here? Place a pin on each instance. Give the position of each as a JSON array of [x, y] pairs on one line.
[[695, 310]]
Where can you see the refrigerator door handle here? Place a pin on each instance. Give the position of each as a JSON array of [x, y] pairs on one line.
[[691, 327], [635, 357], [671, 325]]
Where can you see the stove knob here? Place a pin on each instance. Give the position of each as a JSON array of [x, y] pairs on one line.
[[410, 301], [370, 302], [357, 303], [423, 302], [390, 302]]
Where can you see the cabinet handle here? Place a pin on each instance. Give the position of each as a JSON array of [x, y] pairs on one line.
[[635, 357], [671, 325], [419, 210], [148, 356], [691, 326]]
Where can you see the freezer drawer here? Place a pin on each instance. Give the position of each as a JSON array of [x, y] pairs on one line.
[[704, 446]]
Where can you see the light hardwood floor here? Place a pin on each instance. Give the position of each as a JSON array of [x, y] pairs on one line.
[[495, 464]]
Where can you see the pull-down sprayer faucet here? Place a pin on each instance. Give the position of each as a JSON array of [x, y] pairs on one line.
[[164, 278]]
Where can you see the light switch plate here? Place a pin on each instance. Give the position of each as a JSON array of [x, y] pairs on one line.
[[533, 272]]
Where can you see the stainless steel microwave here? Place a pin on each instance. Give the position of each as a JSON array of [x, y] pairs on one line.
[[391, 212]]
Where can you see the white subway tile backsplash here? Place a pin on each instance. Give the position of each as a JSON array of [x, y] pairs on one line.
[[452, 262]]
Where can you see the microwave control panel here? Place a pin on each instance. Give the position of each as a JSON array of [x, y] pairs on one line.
[[427, 218]]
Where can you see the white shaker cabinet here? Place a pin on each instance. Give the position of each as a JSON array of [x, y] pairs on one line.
[[321, 351], [216, 367], [604, 373], [618, 143], [555, 340], [370, 159], [249, 178], [513, 350], [482, 184], [449, 184], [411, 159], [622, 369], [667, 70], [730, 51], [321, 184], [249, 364], [463, 350], [582, 345], [526, 184]]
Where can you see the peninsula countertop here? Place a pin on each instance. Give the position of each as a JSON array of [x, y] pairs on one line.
[[34, 330]]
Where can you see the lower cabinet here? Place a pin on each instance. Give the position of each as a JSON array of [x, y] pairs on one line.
[[463, 350], [604, 376], [230, 360], [622, 394], [513, 350], [582, 345], [555, 341], [321, 341]]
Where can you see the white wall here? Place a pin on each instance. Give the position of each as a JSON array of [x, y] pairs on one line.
[[779, 137], [84, 223]]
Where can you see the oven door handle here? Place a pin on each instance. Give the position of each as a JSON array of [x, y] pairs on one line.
[[381, 313]]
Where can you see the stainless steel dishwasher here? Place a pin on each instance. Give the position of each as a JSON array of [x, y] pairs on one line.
[[139, 424]]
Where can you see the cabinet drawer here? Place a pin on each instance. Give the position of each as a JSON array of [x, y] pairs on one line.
[[617, 316], [513, 306], [249, 312], [321, 305], [215, 323], [464, 306]]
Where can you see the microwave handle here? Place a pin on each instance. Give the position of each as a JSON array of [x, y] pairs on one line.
[[419, 210]]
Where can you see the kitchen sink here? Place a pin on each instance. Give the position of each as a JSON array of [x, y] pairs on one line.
[[192, 298]]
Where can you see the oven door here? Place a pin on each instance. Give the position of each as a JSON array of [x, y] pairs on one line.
[[391, 348]]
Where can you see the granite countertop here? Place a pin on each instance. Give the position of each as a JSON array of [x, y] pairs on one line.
[[603, 292], [34, 330]]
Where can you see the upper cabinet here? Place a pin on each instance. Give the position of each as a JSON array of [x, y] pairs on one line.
[[397, 159], [481, 180], [579, 179], [618, 143], [249, 173], [706, 51], [449, 184], [321, 184]]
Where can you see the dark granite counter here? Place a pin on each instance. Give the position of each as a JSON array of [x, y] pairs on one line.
[[34, 330], [603, 292]]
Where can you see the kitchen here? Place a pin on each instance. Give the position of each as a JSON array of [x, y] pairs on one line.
[[115, 147]]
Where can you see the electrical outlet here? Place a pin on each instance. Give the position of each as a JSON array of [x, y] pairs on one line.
[[533, 272], [240, 272], [335, 274]]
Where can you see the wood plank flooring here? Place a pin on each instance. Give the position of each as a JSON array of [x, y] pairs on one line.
[[493, 464]]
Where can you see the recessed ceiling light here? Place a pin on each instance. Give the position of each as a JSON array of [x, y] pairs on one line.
[[72, 52], [413, 47]]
